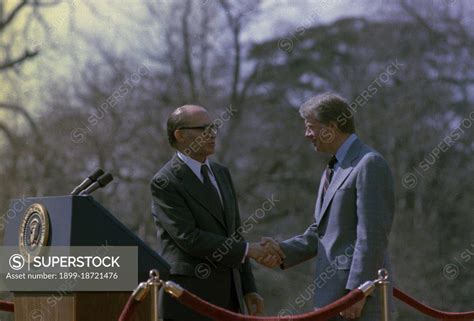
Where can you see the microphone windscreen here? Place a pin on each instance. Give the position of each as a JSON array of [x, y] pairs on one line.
[[98, 172], [104, 180]]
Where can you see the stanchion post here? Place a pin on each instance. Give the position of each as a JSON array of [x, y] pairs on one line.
[[155, 285], [384, 286]]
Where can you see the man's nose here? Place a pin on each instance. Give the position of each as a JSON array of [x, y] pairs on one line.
[[308, 133], [209, 135]]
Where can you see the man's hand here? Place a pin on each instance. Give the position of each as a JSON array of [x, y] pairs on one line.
[[267, 255], [259, 253], [273, 248], [254, 303], [354, 311]]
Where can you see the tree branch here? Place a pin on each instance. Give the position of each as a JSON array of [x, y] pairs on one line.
[[26, 55], [412, 12], [12, 14], [187, 50], [235, 27], [9, 134], [22, 111]]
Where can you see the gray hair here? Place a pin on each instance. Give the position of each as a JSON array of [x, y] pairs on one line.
[[329, 107]]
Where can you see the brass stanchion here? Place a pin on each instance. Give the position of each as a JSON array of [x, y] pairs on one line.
[[384, 285], [155, 283], [140, 293]]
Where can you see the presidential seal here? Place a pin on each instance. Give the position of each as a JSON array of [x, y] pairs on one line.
[[34, 231]]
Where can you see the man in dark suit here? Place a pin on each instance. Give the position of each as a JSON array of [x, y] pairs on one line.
[[353, 215], [196, 213]]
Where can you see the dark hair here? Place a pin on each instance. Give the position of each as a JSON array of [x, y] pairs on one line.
[[329, 107]]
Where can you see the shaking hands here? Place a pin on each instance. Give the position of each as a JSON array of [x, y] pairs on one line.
[[267, 252]]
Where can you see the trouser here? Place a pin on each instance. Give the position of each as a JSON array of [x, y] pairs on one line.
[[233, 306]]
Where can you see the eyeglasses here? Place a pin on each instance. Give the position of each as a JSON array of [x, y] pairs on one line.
[[207, 129]]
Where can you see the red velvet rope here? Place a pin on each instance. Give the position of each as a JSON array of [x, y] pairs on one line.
[[129, 309], [7, 306], [217, 313], [437, 314]]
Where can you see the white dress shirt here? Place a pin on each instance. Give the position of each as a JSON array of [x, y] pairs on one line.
[[195, 166]]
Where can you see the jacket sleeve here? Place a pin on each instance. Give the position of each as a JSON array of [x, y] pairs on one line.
[[375, 206], [248, 280], [170, 209], [301, 247]]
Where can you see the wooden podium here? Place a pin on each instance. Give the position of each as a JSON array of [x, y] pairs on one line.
[[79, 221]]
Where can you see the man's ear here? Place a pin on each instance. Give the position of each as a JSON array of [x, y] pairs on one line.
[[178, 134], [333, 125]]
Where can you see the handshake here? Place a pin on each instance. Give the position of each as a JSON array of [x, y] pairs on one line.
[[267, 252]]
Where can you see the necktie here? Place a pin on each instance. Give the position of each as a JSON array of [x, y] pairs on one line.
[[214, 194], [329, 174]]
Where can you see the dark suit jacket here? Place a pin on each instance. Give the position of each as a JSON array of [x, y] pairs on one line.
[[202, 247]]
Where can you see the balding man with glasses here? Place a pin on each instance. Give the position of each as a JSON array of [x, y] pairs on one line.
[[195, 210]]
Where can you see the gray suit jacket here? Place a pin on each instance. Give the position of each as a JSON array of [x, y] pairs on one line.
[[202, 246], [349, 236]]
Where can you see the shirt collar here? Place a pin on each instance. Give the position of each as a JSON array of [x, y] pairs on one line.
[[193, 164], [344, 148]]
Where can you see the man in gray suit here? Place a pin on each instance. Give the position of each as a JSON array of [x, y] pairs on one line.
[[353, 215], [197, 217]]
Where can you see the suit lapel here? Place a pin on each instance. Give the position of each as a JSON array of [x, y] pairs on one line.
[[317, 210], [226, 197], [340, 176], [337, 180], [195, 188]]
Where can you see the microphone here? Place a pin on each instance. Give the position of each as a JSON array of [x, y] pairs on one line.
[[98, 172], [101, 182]]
